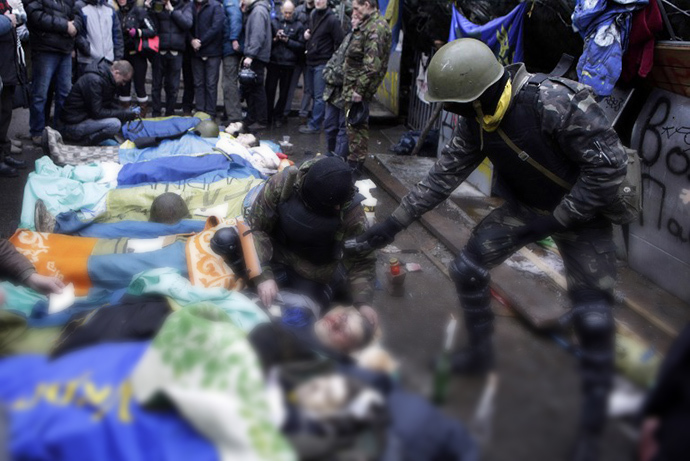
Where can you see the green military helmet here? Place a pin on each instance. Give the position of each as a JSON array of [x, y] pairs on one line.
[[461, 71], [168, 208], [207, 129]]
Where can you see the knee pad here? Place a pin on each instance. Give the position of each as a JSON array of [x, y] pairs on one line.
[[467, 274], [593, 321]]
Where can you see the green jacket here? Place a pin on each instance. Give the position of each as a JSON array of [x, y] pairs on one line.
[[366, 59]]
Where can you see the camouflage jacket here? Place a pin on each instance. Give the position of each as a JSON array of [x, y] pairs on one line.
[[262, 216], [568, 120], [366, 59], [333, 75]]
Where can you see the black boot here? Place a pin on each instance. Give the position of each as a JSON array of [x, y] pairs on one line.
[[595, 328], [7, 171], [473, 360], [15, 163], [472, 283]]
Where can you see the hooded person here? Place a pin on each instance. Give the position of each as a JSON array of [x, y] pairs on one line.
[[300, 219]]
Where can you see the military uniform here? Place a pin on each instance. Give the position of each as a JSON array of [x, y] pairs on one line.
[[334, 122], [559, 124], [366, 62], [302, 253]]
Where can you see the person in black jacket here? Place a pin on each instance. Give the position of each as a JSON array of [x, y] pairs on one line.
[[323, 35], [173, 21], [286, 47], [302, 13], [8, 81], [137, 29], [90, 113], [257, 52], [53, 26], [207, 43]]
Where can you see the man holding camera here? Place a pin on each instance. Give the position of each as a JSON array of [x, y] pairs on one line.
[[173, 19], [286, 47]]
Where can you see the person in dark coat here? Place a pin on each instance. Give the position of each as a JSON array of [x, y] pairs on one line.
[[207, 43], [302, 13], [323, 35], [257, 52], [173, 20], [8, 81], [287, 45], [91, 113], [137, 29], [53, 26]]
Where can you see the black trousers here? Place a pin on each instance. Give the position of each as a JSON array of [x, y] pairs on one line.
[[6, 107], [167, 69], [139, 63], [188, 78], [277, 75], [256, 96]]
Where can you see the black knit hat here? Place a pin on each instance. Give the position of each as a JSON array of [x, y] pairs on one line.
[[327, 184]]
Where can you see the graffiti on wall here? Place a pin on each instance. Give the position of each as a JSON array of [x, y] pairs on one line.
[[662, 137]]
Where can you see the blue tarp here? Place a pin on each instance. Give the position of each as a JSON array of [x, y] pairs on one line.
[[503, 35], [186, 145], [69, 223], [152, 128], [80, 407], [186, 168]]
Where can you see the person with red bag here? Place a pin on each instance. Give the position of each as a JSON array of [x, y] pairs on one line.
[[141, 44]]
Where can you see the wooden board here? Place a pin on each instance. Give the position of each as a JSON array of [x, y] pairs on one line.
[[541, 308], [671, 69]]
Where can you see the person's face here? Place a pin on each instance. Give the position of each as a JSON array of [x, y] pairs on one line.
[[310, 3], [244, 4], [342, 329], [360, 10], [122, 2], [121, 79], [288, 10], [321, 4]]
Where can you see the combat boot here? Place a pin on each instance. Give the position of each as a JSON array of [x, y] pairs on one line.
[[478, 359]]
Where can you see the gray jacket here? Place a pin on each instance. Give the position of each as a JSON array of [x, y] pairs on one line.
[[257, 31]]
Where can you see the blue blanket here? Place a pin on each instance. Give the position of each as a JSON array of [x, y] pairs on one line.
[[80, 407]]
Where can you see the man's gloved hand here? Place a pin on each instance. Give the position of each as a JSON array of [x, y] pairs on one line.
[[381, 234], [136, 110], [538, 229], [132, 32]]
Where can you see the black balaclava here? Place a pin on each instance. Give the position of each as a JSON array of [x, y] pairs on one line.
[[327, 184]]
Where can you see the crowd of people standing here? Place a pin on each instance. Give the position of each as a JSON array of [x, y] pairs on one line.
[[263, 46]]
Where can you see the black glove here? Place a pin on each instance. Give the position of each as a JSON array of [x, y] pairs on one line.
[[538, 229], [381, 234]]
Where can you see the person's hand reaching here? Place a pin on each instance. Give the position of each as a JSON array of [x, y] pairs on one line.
[[45, 285]]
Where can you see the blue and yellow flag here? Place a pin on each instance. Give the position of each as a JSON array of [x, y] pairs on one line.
[[503, 35]]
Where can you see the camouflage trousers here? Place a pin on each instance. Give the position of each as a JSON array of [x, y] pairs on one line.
[[358, 140], [588, 251]]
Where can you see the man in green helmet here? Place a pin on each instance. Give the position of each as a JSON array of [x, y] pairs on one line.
[[555, 123]]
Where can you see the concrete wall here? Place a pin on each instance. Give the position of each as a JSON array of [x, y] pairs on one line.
[[660, 243]]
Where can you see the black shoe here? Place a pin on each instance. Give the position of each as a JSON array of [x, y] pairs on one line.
[[586, 448], [256, 126], [472, 360], [13, 162], [356, 169], [45, 145], [7, 171]]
